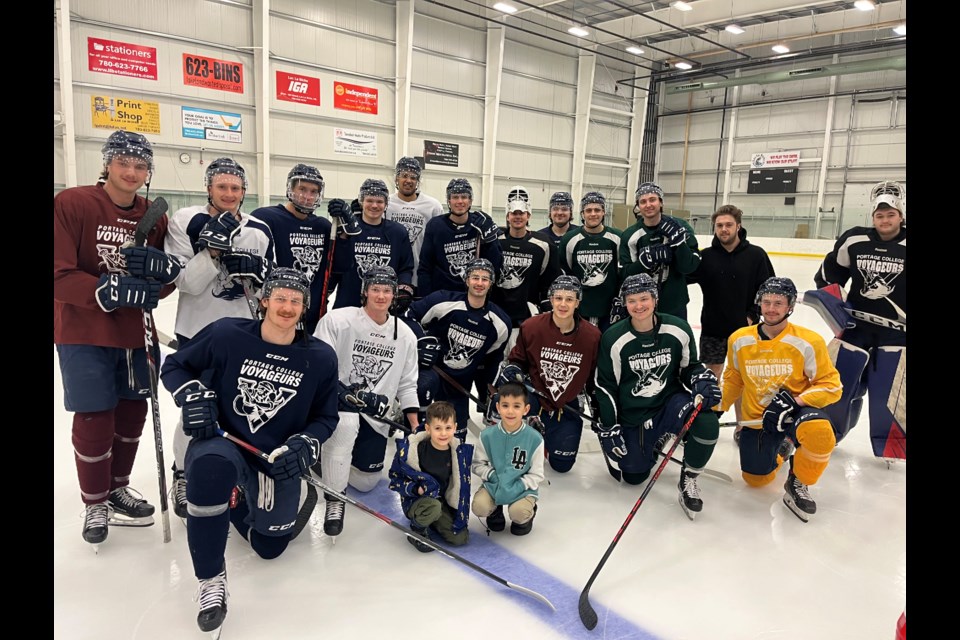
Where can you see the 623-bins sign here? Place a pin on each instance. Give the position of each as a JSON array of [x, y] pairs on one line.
[[210, 73]]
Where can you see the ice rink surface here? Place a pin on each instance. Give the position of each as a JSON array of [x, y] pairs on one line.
[[746, 569]]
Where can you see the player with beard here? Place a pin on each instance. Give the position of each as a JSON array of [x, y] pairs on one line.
[[592, 254], [730, 272], [561, 215], [412, 209]]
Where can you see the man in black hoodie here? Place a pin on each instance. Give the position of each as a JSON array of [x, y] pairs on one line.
[[730, 272]]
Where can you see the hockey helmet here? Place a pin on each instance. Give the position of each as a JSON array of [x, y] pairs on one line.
[[638, 283], [566, 283], [304, 173], [127, 143]]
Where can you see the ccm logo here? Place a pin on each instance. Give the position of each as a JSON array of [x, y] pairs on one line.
[[281, 527], [273, 357]]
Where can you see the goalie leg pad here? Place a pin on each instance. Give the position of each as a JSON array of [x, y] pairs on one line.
[[815, 443], [850, 362], [831, 306], [887, 397]]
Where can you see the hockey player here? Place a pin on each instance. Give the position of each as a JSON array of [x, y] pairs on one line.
[[648, 379], [302, 238], [871, 355], [100, 294], [226, 256], [730, 272], [452, 240], [272, 385], [378, 362], [529, 265], [380, 243], [785, 378], [558, 351], [413, 210], [592, 254], [471, 330], [663, 247], [561, 213]]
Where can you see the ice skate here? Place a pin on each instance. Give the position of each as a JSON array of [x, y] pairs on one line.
[[96, 524], [129, 509], [212, 595], [333, 518], [689, 493], [797, 498], [178, 493]]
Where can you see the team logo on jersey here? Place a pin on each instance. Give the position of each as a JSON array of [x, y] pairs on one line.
[[412, 222], [879, 278], [557, 376], [368, 369], [651, 372], [111, 258], [770, 375], [595, 265], [367, 261], [260, 400], [463, 346], [225, 287], [513, 270], [458, 262], [307, 259]]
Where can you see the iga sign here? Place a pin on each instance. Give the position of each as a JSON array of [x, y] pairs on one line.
[[210, 73], [207, 124], [121, 58], [353, 97], [294, 87], [775, 160]]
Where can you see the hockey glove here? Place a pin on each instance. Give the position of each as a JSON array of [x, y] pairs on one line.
[[198, 406], [612, 442], [673, 232], [348, 398], [537, 424], [491, 416], [150, 262], [510, 372], [115, 291], [704, 384], [428, 351], [617, 311], [242, 265], [219, 232], [373, 404], [295, 457], [486, 228], [401, 302], [545, 306], [652, 256], [343, 213], [779, 411]]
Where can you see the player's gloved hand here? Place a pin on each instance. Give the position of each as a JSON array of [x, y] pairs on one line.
[[401, 302], [545, 306], [373, 404], [244, 265], [115, 291], [617, 311], [779, 411], [510, 372], [344, 214], [491, 416], [485, 226], [673, 232], [198, 406], [347, 395], [652, 256], [150, 262], [704, 384], [219, 232], [428, 351], [295, 457], [535, 422], [612, 442]]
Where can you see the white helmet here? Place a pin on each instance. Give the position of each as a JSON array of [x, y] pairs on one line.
[[892, 194], [518, 200]]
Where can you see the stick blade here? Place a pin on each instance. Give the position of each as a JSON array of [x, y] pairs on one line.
[[533, 594], [587, 615], [154, 212]]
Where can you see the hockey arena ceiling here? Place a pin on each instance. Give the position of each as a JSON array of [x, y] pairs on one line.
[[812, 30]]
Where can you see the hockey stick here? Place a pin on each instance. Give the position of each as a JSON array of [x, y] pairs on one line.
[[410, 534], [360, 404], [481, 405], [329, 270], [251, 299], [156, 210], [588, 616]]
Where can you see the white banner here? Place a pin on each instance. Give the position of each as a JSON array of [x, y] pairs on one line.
[[776, 160], [350, 142]]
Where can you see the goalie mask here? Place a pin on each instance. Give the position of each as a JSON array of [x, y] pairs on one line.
[[518, 200], [304, 173], [890, 194]]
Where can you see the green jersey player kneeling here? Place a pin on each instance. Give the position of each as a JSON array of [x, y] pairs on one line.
[[649, 378]]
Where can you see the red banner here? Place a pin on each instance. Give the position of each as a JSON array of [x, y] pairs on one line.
[[353, 97], [294, 87], [121, 58], [210, 73]]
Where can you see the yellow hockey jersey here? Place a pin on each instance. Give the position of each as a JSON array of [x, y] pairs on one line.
[[796, 360]]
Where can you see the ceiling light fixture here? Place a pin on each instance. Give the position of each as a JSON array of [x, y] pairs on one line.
[[865, 5], [781, 48], [504, 7], [901, 30], [683, 65], [635, 50], [579, 32], [734, 29], [681, 6]]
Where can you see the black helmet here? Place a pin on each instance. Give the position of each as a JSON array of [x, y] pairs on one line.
[[127, 143]]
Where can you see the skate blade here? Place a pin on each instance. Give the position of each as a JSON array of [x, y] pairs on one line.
[[116, 520], [690, 514], [795, 510]]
